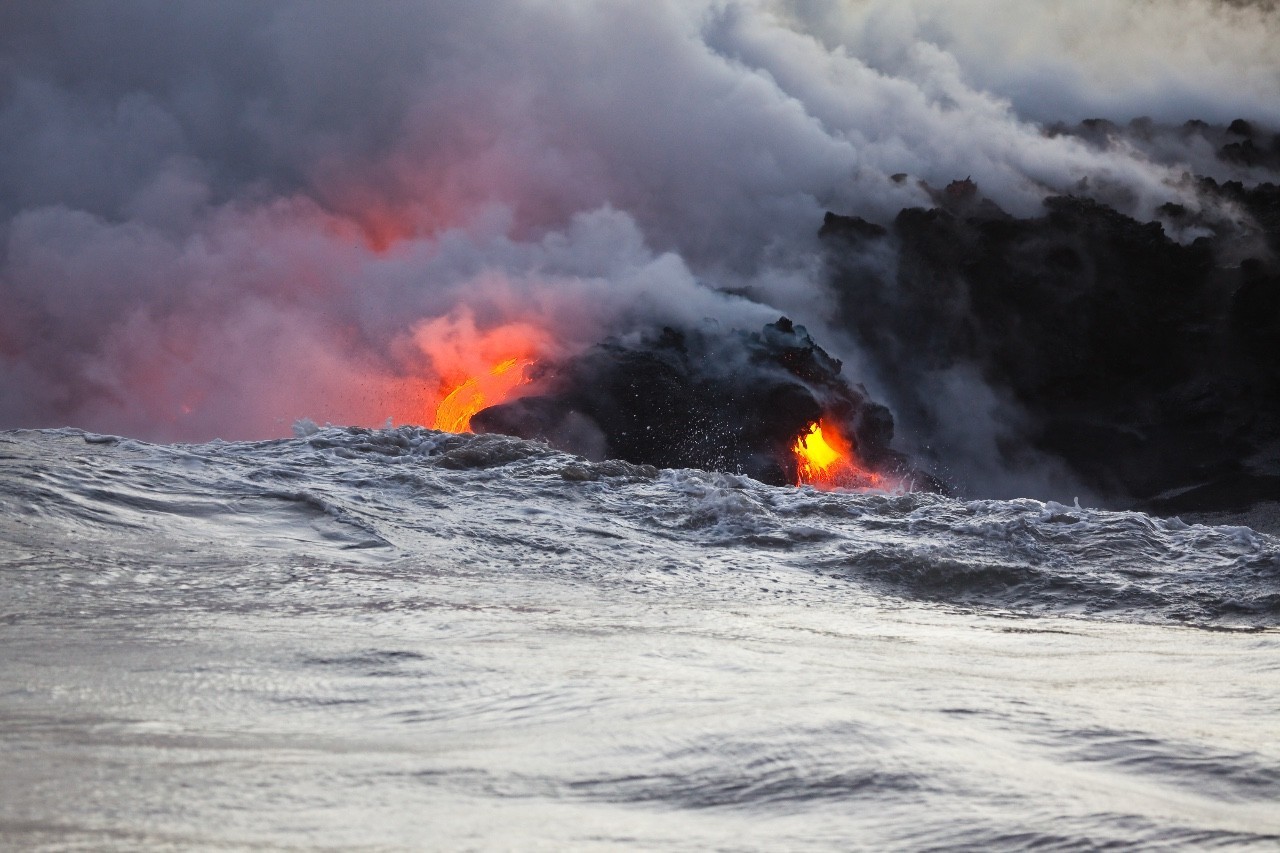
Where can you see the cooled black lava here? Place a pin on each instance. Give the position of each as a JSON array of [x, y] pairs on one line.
[[701, 398]]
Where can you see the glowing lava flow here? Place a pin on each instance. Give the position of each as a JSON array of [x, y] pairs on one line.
[[825, 460], [456, 409]]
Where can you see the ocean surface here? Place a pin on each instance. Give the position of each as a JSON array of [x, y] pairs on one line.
[[403, 639]]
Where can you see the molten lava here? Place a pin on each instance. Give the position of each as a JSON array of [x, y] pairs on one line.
[[825, 460], [477, 392]]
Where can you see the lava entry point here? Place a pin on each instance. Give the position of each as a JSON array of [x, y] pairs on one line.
[[771, 404]]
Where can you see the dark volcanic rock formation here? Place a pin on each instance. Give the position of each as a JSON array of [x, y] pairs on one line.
[[699, 398], [1151, 369], [1241, 145]]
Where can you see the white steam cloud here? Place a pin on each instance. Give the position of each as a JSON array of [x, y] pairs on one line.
[[216, 218]]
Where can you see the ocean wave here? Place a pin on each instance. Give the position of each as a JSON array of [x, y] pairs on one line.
[[396, 494]]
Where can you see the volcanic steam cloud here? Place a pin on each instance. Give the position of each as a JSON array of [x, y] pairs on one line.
[[1049, 266]]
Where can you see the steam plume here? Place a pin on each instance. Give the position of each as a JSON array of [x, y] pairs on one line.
[[218, 218]]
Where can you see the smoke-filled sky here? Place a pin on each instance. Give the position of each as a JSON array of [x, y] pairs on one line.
[[217, 218]]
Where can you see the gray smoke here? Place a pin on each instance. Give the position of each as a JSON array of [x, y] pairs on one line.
[[216, 218]]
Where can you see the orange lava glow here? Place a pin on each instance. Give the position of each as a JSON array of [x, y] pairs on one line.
[[477, 392], [825, 460], [463, 367]]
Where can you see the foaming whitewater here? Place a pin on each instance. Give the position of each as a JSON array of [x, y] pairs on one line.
[[408, 639]]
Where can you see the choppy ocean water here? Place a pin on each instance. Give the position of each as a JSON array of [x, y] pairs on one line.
[[403, 639]]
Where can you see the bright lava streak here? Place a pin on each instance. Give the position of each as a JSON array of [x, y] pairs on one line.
[[458, 406], [825, 459]]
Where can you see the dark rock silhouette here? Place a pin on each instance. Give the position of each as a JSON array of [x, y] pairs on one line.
[[1151, 369], [701, 398], [1241, 143]]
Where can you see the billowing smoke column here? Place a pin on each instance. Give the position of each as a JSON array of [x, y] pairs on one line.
[[218, 218]]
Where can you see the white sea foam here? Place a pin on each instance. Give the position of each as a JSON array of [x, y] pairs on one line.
[[402, 638]]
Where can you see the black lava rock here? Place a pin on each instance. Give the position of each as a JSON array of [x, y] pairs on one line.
[[1150, 369], [700, 398]]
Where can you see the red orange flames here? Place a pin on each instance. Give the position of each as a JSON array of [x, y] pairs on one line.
[[477, 392], [825, 460]]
